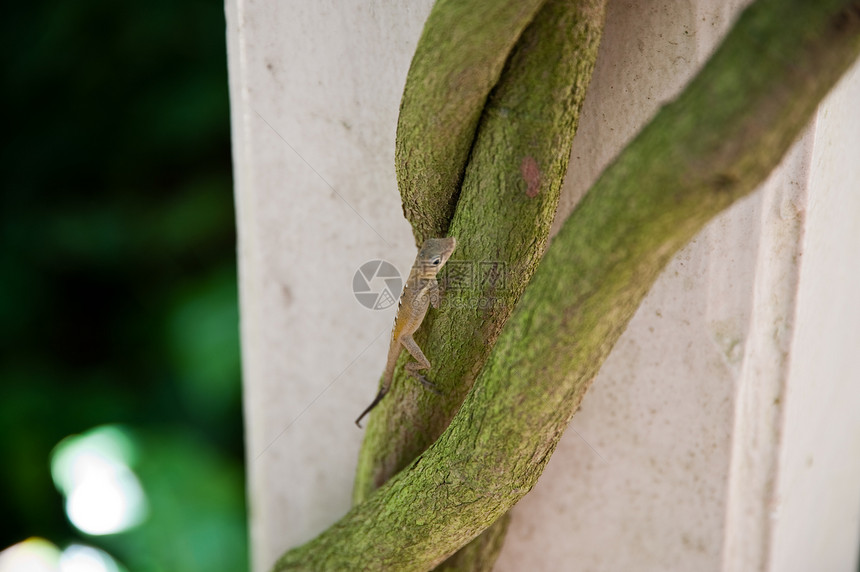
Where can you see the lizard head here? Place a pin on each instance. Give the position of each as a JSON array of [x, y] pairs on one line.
[[435, 252]]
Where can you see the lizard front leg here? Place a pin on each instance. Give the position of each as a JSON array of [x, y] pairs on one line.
[[421, 362]]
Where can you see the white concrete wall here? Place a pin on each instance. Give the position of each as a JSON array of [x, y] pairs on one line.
[[723, 432]]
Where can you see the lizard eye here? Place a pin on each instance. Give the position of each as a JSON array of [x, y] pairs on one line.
[[436, 261]]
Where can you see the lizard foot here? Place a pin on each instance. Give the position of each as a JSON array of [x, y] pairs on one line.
[[429, 385]]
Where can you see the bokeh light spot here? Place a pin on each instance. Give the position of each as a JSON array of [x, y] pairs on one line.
[[103, 495], [31, 555], [80, 558]]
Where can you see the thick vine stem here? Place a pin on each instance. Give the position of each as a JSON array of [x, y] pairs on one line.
[[713, 145], [481, 553], [506, 207], [459, 58], [502, 222]]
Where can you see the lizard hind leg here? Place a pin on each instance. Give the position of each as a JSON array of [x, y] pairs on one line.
[[421, 363]]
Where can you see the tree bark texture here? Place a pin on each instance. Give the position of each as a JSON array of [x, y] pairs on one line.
[[459, 57], [502, 220], [501, 223]]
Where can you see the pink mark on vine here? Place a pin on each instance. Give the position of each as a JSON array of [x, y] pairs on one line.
[[531, 175]]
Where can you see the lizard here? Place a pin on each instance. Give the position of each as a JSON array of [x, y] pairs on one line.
[[421, 292]]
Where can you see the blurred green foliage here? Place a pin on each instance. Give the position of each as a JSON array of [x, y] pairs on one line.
[[118, 272]]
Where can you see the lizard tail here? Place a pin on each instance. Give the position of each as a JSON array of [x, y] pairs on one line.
[[393, 354], [375, 402]]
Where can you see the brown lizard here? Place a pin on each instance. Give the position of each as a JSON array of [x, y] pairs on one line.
[[421, 292]]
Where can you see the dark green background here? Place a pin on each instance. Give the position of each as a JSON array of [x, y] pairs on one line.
[[118, 271]]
